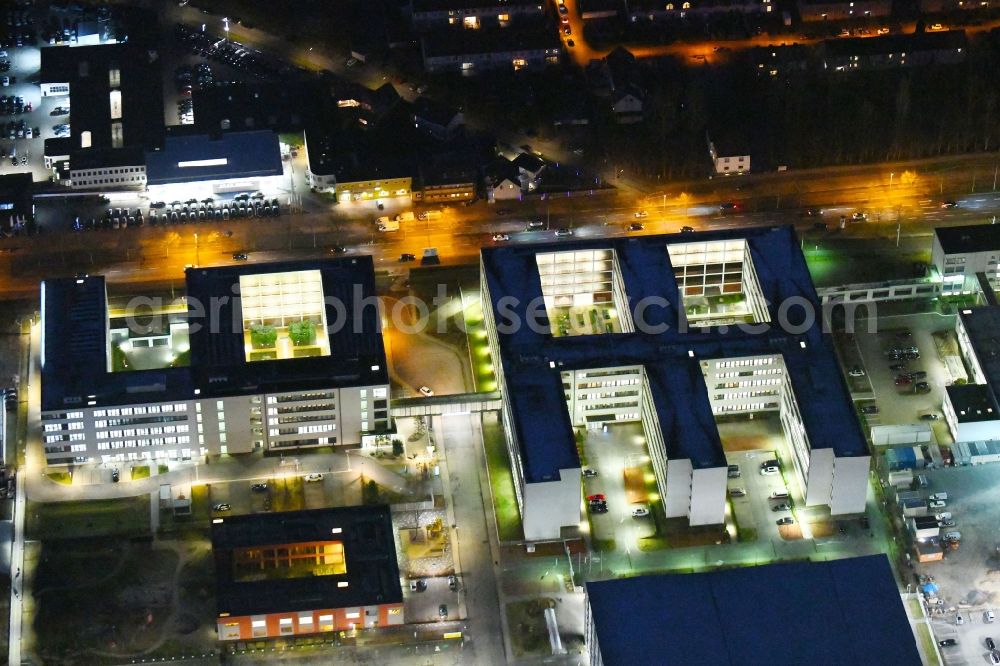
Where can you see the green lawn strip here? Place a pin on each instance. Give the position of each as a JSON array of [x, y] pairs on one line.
[[64, 478], [127, 516], [508, 516]]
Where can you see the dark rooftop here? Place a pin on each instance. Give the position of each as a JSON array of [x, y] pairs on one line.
[[458, 42], [973, 402], [254, 106], [357, 356], [533, 359], [236, 155], [99, 158], [982, 324], [844, 611], [968, 238], [75, 368], [372, 573], [90, 72]]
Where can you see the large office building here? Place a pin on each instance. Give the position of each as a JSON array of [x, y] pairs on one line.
[[669, 331], [284, 356], [305, 572], [961, 254], [116, 111], [837, 612]]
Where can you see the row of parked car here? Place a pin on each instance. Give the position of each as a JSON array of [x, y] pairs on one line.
[[230, 53], [13, 105], [193, 210]]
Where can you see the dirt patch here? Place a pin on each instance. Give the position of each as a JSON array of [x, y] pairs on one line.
[[635, 485], [821, 529], [528, 633], [790, 532]]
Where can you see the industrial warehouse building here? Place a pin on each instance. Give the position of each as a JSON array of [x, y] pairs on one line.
[[670, 331], [305, 572], [837, 612], [282, 356]]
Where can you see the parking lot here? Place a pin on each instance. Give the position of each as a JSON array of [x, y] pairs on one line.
[[610, 454], [900, 404], [968, 578]]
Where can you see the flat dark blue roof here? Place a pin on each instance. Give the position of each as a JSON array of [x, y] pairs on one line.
[[372, 572], [357, 355], [982, 324], [669, 353], [230, 155], [75, 344], [837, 612]]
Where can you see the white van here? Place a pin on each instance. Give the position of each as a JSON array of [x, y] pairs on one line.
[[943, 497], [779, 494]]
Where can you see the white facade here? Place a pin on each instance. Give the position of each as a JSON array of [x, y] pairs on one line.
[[550, 505], [958, 271], [505, 190], [179, 430], [108, 178]]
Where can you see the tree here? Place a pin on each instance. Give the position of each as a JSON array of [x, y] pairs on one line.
[[397, 447], [302, 332], [263, 336], [369, 492]]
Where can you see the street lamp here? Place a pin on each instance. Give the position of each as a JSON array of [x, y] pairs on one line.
[[197, 251], [225, 26], [891, 174]]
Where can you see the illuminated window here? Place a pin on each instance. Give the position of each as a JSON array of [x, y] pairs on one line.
[[291, 560], [283, 315], [353, 615], [115, 101], [670, 7], [471, 22], [686, 5], [520, 63], [114, 77]]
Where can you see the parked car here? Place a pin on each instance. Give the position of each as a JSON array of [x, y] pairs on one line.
[[769, 471], [787, 520], [640, 512], [946, 523], [929, 417], [856, 371], [499, 238], [869, 409], [784, 506], [952, 536], [687, 230], [221, 507], [597, 497], [640, 214], [452, 582], [443, 611], [737, 492], [990, 644], [426, 391], [947, 642], [937, 505], [258, 487], [565, 231], [939, 496], [588, 471], [989, 617], [315, 476], [733, 472], [636, 226], [115, 475]]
